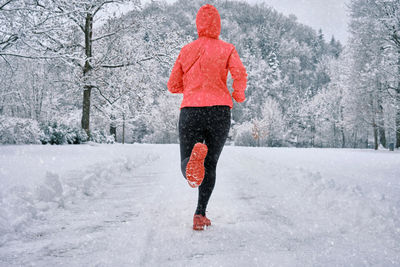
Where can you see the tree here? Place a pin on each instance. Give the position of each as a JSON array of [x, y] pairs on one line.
[[58, 38], [273, 123], [374, 28], [388, 13]]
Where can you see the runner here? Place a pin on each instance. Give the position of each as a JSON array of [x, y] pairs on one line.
[[200, 73]]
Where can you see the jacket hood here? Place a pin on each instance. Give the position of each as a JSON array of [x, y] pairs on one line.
[[208, 22]]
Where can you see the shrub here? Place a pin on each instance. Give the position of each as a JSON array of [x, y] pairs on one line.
[[100, 136], [55, 133], [245, 138], [160, 137], [19, 131], [244, 135]]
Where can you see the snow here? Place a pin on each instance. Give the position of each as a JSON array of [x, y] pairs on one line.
[[128, 205]]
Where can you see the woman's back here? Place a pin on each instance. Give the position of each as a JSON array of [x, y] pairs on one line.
[[201, 70]]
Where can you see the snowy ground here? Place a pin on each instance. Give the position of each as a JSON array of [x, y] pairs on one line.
[[127, 205]]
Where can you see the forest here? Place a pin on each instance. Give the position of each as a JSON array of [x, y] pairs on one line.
[[96, 70]]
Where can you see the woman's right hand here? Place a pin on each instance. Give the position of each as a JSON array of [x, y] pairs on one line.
[[239, 96]]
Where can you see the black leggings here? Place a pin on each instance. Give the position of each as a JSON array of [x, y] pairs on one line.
[[209, 125]]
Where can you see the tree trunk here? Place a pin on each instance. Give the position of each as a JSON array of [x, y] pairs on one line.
[[355, 141], [86, 109], [382, 134], [374, 114], [312, 134], [343, 137], [113, 131], [381, 118], [398, 124], [113, 127], [398, 103], [335, 143], [123, 128], [85, 122], [341, 115], [376, 144], [341, 125]]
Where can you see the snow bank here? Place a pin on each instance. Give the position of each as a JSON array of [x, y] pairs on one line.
[[325, 207], [45, 188]]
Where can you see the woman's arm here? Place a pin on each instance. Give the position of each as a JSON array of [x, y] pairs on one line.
[[175, 82], [239, 76]]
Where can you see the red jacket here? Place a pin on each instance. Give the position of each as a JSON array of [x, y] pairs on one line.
[[201, 69]]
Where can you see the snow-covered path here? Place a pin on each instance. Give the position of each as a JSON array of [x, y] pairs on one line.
[[270, 207]]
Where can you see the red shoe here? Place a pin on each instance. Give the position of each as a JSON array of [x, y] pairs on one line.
[[199, 221], [206, 221], [195, 167]]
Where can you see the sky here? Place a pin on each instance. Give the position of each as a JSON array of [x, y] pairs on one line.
[[329, 15]]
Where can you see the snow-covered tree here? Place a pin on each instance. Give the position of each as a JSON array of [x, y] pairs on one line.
[[371, 48]]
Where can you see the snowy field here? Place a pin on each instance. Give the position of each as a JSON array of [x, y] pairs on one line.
[[127, 205]]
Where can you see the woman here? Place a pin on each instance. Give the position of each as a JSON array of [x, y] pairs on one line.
[[200, 73]]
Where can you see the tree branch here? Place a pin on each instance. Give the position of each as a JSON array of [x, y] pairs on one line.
[[12, 38], [102, 4], [131, 63], [104, 36], [101, 93], [95, 106], [26, 56], [109, 34], [6, 3], [73, 19], [8, 63], [73, 59]]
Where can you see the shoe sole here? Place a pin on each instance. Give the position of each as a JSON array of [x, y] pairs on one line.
[[196, 164]]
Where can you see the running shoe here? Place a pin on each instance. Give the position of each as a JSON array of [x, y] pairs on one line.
[[206, 221], [195, 168], [199, 221]]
